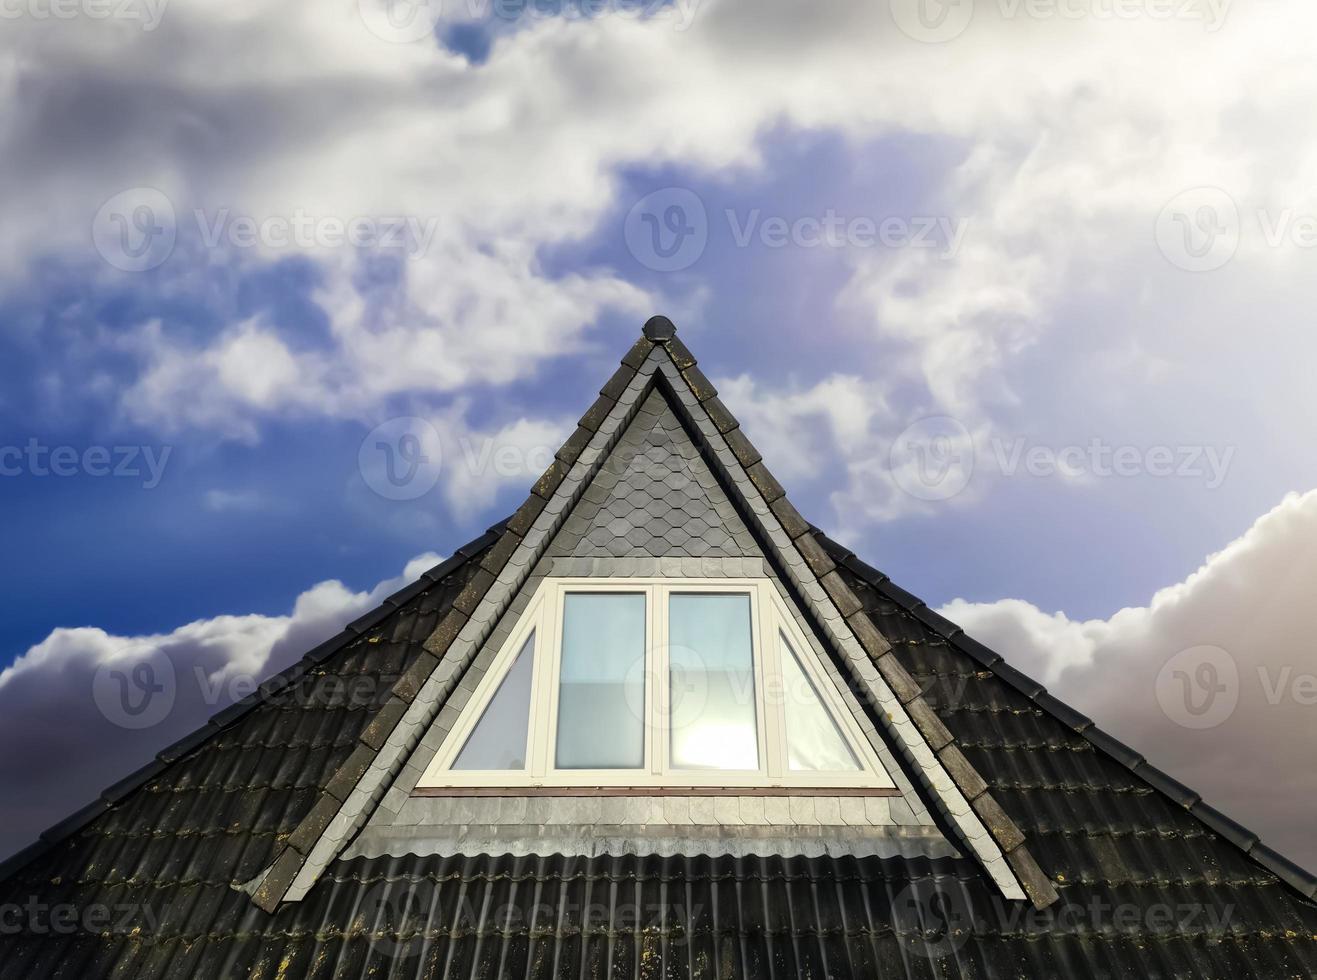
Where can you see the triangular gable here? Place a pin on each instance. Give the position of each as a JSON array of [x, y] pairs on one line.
[[654, 496], [958, 792], [653, 508]]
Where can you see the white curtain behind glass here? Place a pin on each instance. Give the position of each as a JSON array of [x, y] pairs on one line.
[[814, 742], [711, 671], [498, 741], [601, 693]]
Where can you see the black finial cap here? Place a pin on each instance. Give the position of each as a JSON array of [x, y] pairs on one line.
[[660, 329]]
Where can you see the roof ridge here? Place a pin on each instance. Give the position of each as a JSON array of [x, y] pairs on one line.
[[227, 717], [1292, 874]]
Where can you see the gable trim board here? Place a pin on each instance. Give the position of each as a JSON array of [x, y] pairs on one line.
[[979, 823]]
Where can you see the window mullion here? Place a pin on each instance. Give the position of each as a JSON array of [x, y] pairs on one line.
[[659, 715], [774, 713], [546, 700], [759, 675]]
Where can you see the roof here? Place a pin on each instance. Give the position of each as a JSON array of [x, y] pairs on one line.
[[657, 363], [1151, 880]]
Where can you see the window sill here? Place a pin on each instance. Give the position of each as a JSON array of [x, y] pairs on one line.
[[656, 791]]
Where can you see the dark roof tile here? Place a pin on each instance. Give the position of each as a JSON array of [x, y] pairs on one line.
[[409, 684], [817, 559], [742, 448], [681, 356], [133, 781], [722, 419], [792, 523], [469, 598], [873, 641], [1026, 685], [525, 516], [1113, 747], [445, 633], [368, 621], [764, 482], [445, 568], [1065, 714], [594, 415], [700, 386], [476, 546], [936, 622], [840, 593], [1285, 869], [1240, 836], [75, 822], [635, 357], [1163, 783], [496, 557], [407, 593], [617, 384]]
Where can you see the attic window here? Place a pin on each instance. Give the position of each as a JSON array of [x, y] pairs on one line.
[[658, 682]]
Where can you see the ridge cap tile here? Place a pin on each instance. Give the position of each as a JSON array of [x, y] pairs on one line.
[[1076, 721], [1018, 680], [1167, 784], [936, 622], [115, 792], [227, 716], [75, 822], [1113, 747], [1233, 831], [22, 858], [1282, 867]]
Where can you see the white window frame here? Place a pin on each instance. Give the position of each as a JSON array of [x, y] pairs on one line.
[[770, 620]]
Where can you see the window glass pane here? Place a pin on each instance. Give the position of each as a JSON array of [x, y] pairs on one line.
[[499, 739], [601, 693], [712, 682], [814, 742]]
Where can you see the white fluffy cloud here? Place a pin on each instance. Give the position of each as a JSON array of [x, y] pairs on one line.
[[1214, 681], [65, 736], [1075, 132]]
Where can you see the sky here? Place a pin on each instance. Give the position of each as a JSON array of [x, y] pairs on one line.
[[1013, 295]]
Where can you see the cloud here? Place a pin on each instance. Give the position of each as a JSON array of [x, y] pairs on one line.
[[1214, 681], [244, 501], [484, 462], [384, 143], [1059, 165], [66, 734]]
